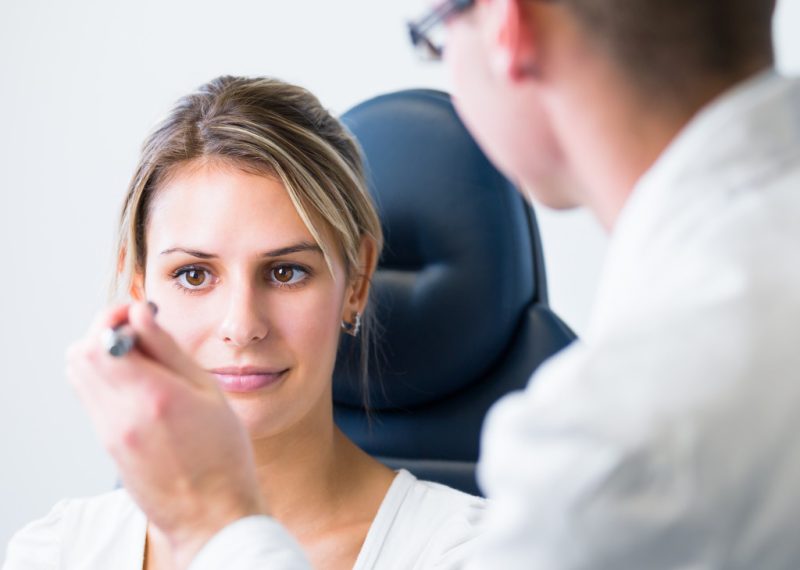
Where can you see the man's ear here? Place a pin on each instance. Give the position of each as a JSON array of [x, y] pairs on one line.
[[360, 281], [513, 38]]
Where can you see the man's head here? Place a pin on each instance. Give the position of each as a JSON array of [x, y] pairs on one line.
[[550, 88], [668, 48]]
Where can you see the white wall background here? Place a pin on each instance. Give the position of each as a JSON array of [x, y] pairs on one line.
[[81, 82]]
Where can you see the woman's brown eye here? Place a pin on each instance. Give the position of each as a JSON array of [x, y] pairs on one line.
[[288, 275], [283, 274], [195, 277]]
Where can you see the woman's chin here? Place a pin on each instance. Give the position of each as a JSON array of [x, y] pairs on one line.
[[258, 419]]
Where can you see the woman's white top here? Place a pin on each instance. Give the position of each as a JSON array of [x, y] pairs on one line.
[[419, 525]]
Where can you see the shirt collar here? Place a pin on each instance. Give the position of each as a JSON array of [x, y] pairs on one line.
[[708, 137], [730, 141]]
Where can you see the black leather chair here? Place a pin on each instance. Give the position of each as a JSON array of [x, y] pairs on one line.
[[460, 292]]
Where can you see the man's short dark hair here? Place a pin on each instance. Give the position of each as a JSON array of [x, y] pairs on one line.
[[669, 47]]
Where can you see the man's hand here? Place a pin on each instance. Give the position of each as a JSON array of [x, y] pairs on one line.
[[182, 453]]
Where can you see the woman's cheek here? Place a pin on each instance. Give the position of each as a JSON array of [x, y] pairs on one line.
[[317, 322], [187, 320]]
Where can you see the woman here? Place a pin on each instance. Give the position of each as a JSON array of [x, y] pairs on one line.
[[248, 224]]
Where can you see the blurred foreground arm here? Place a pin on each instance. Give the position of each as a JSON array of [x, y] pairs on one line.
[[182, 453]]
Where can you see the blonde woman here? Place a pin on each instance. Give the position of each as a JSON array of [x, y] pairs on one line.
[[248, 225]]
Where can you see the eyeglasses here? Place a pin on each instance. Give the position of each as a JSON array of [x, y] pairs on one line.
[[423, 31]]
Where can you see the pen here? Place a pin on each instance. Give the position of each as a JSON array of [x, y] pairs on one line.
[[120, 339]]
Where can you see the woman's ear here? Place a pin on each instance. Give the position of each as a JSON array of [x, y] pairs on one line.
[[361, 279], [136, 290]]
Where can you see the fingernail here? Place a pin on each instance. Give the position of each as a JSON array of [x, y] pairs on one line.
[[153, 307]]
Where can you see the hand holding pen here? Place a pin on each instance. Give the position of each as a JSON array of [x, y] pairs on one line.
[[120, 339], [182, 454]]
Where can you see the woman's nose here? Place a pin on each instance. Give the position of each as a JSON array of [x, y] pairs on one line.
[[243, 324]]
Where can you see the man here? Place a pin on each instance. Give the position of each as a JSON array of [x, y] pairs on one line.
[[668, 437]]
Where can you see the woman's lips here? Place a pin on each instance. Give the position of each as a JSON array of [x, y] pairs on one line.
[[246, 379]]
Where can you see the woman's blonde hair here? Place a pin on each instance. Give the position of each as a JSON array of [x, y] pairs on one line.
[[269, 127]]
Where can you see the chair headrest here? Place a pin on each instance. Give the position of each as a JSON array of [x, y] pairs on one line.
[[460, 263]]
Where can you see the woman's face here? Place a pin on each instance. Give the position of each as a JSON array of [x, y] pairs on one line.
[[244, 288]]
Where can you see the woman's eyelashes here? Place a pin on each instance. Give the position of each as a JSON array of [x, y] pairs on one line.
[[194, 278], [288, 275]]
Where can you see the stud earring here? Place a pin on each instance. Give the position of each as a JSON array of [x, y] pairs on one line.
[[352, 328]]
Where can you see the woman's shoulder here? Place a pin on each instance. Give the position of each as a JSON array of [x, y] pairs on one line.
[[423, 524], [434, 501], [78, 530]]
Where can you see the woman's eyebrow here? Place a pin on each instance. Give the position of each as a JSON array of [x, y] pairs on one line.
[[296, 248], [192, 252]]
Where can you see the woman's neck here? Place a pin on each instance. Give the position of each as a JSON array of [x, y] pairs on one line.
[[319, 485], [312, 476]]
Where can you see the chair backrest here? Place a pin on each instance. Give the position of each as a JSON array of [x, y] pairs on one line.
[[460, 291]]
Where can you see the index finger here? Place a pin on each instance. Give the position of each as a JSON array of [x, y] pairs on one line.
[[109, 318]]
